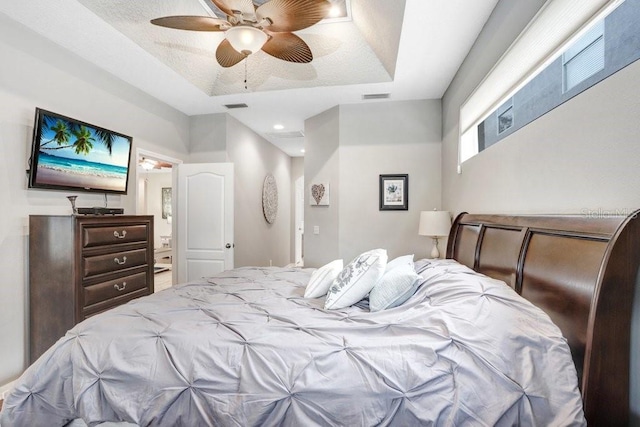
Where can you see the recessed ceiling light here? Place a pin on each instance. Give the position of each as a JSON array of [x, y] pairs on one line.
[[302, 151], [278, 127], [340, 11], [335, 11]]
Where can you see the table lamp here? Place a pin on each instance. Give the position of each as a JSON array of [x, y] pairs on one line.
[[434, 224]]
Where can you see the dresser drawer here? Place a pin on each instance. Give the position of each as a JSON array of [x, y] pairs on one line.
[[114, 288], [73, 273], [99, 236], [111, 262]]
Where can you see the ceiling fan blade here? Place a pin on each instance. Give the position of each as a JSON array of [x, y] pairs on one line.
[[246, 7], [227, 56], [292, 15], [288, 47], [192, 23]]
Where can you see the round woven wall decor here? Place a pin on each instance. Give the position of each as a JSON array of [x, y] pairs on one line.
[[270, 199]]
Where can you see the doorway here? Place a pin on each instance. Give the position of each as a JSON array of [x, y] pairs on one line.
[[205, 220], [154, 189], [299, 222]]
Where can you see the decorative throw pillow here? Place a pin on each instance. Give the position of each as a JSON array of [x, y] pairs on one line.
[[322, 278], [357, 279], [400, 261], [398, 283]]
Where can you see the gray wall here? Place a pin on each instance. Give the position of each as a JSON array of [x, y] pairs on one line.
[[582, 157], [372, 139], [208, 138], [221, 138], [37, 73], [257, 241], [321, 165], [297, 171]]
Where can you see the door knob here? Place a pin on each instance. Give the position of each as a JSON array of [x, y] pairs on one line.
[[228, 246]]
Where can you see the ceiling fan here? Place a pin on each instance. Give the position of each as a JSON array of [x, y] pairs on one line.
[[148, 164], [249, 28]]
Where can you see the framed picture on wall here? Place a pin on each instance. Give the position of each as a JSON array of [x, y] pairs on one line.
[[394, 192], [319, 194], [166, 202]]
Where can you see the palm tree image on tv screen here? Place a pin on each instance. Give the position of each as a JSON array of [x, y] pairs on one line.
[[69, 154]]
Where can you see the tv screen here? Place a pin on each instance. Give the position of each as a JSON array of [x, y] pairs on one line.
[[68, 154]]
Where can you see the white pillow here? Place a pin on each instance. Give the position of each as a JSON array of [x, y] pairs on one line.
[[401, 261], [322, 278], [396, 285], [357, 279]]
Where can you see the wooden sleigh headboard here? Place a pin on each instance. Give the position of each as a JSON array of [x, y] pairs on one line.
[[582, 271]]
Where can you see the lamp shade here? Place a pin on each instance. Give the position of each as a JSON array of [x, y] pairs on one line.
[[246, 39], [434, 223]]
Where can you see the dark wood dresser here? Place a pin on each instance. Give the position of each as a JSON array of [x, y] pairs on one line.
[[80, 266]]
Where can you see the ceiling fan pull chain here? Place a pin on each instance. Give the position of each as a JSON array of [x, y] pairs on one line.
[[246, 59]]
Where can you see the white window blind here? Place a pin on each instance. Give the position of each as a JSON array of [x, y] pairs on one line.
[[584, 58], [557, 24]]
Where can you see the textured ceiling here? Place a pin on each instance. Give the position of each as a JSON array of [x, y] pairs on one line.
[[342, 55], [410, 49]]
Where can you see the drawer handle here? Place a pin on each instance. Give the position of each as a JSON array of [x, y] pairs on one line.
[[120, 288], [120, 236], [123, 262]]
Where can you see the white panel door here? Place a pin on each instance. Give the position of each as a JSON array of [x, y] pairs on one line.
[[204, 220]]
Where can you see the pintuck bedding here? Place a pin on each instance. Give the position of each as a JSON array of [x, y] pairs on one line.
[[245, 348]]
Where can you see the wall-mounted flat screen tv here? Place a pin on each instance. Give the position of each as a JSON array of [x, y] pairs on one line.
[[68, 154]]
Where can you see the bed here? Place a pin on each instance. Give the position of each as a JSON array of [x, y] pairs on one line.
[[246, 348], [582, 271]]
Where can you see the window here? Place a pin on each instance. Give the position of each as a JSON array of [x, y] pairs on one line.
[[548, 64], [584, 58]]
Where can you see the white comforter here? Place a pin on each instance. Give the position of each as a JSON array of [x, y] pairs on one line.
[[245, 348]]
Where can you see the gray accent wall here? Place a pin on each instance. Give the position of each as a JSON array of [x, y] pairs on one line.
[[580, 158], [350, 146]]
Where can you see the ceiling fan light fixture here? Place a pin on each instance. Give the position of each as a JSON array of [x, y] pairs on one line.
[[147, 164], [246, 39]]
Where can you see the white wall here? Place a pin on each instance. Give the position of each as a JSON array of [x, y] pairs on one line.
[[373, 139], [580, 157], [37, 73]]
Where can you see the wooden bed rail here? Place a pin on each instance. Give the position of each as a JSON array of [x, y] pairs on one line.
[[582, 271]]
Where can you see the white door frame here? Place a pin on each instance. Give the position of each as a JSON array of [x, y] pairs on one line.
[[140, 152]]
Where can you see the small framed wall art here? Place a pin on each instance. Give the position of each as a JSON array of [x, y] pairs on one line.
[[394, 192], [320, 194], [166, 202]]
